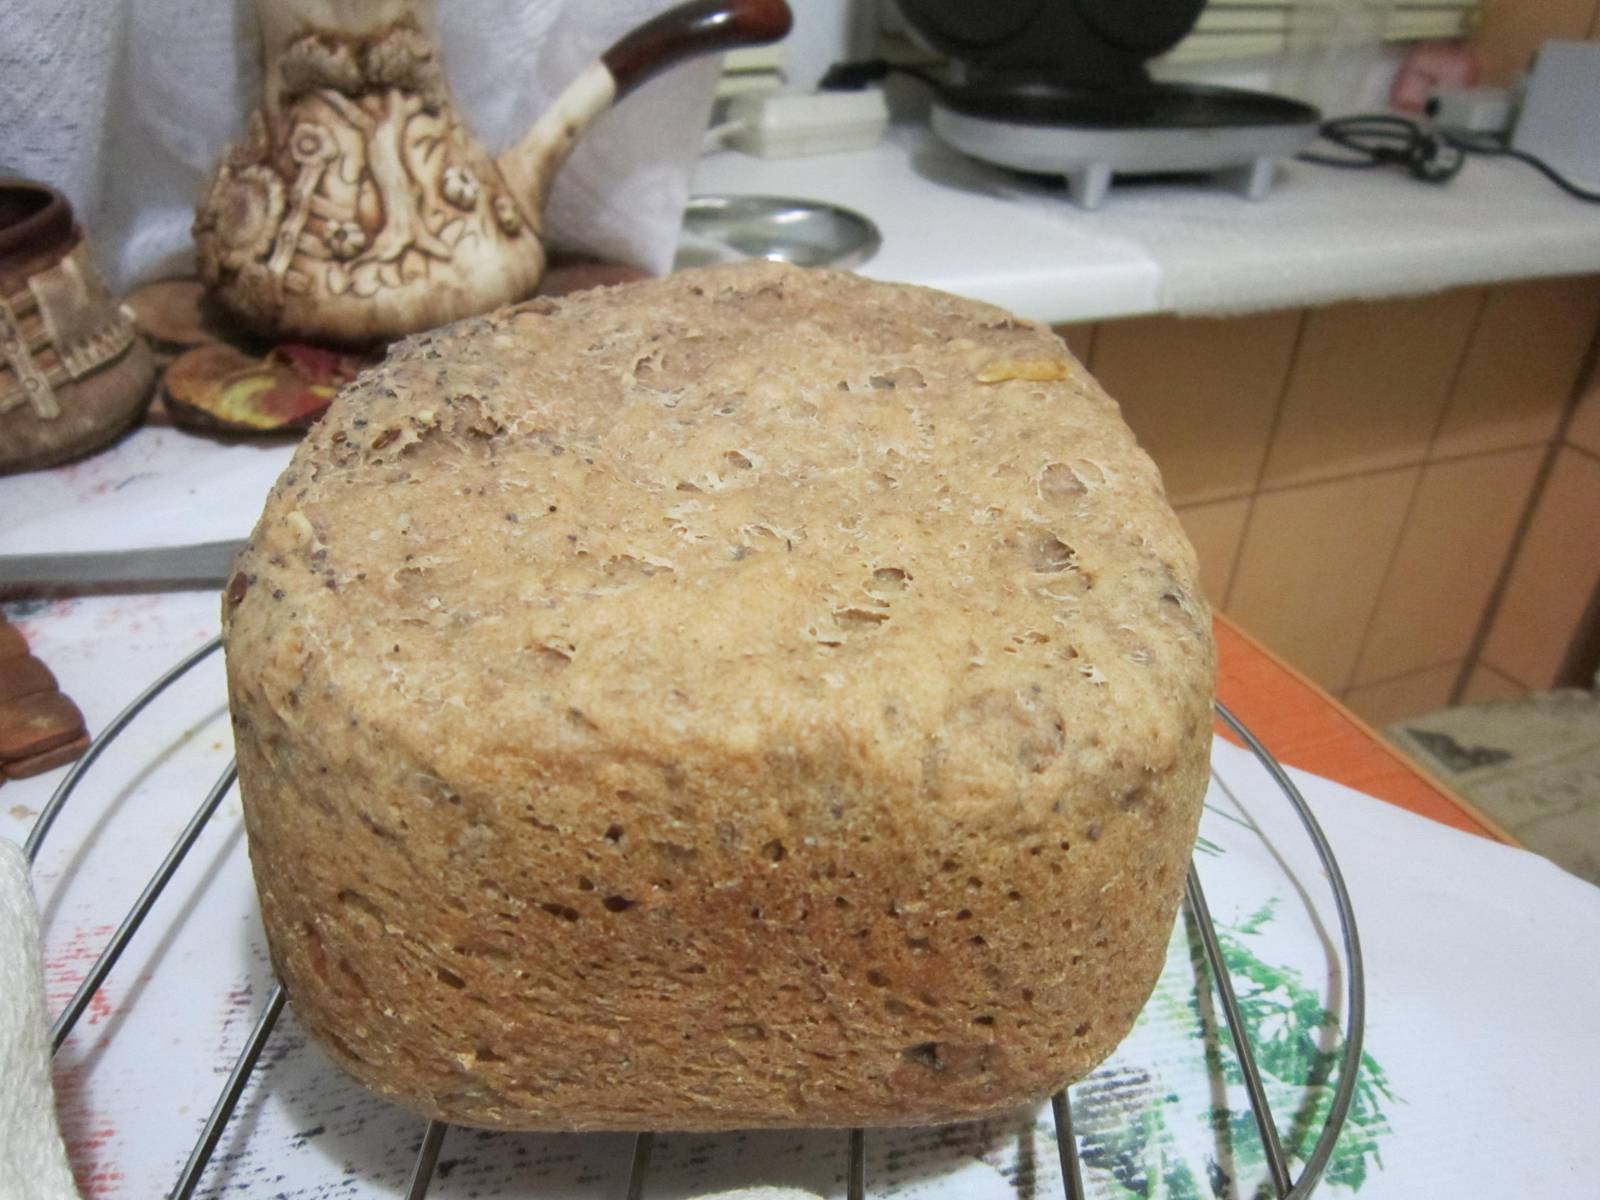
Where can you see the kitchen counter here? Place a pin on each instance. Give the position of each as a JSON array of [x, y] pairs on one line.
[[1320, 235]]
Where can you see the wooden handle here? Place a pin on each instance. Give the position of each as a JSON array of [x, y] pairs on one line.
[[689, 30]]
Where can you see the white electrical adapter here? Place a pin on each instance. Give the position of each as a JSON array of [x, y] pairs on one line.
[[788, 124], [1481, 110]]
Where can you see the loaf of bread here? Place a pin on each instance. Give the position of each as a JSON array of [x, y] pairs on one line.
[[755, 697]]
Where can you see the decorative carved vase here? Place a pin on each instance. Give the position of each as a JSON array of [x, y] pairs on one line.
[[73, 373], [359, 206]]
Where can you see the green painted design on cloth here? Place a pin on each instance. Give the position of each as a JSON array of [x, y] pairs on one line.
[[1138, 1134]]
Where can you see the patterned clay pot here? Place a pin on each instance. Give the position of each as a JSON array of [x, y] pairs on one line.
[[73, 373], [359, 206]]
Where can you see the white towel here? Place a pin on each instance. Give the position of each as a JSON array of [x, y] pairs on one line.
[[33, 1162]]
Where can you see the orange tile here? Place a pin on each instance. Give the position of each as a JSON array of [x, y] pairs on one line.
[[1311, 567], [1521, 366], [1485, 684], [1408, 696], [1216, 530], [1585, 428], [1554, 578], [1306, 728], [1079, 339], [1200, 393], [1368, 384], [1457, 536]]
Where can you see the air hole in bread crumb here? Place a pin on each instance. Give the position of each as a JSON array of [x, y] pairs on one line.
[[964, 915], [585, 884], [888, 579], [342, 1046], [551, 658], [929, 999], [920, 945], [774, 850], [449, 978], [359, 901], [1013, 895], [1060, 482], [485, 1054], [985, 1019], [877, 979], [978, 939], [314, 950], [618, 904], [1051, 555], [925, 1054], [859, 620], [1083, 1029], [565, 912], [735, 458], [614, 832], [1027, 995]]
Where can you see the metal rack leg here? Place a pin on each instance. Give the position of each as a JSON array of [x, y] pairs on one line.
[[857, 1186], [1067, 1145], [52, 808], [1241, 1038], [141, 908], [1355, 988], [231, 1091], [427, 1159], [642, 1146]]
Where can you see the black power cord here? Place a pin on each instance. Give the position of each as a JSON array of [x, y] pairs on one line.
[[1431, 155], [853, 76]]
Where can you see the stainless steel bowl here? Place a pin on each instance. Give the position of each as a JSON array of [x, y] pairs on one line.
[[808, 233]]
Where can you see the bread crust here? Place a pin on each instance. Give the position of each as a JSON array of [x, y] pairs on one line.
[[755, 697]]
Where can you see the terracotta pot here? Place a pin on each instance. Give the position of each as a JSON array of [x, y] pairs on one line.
[[360, 207], [73, 373]]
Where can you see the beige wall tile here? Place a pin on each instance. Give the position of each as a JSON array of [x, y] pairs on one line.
[[1200, 393], [1486, 684], [1554, 578], [1368, 384], [1216, 531], [1457, 536], [1585, 428], [1312, 564], [1079, 339], [1521, 366], [1408, 696]]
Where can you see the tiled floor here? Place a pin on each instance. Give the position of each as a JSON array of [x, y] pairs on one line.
[[1531, 764]]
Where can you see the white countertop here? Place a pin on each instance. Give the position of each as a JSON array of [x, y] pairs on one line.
[[1320, 235]]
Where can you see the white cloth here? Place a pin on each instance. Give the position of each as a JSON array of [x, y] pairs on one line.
[[33, 1162], [128, 106]]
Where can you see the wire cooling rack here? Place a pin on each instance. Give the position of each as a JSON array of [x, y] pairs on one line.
[[1284, 1185]]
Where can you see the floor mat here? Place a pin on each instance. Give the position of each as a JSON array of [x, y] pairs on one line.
[[1533, 765]]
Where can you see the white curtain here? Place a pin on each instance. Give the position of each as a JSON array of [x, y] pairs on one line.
[[1333, 46]]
